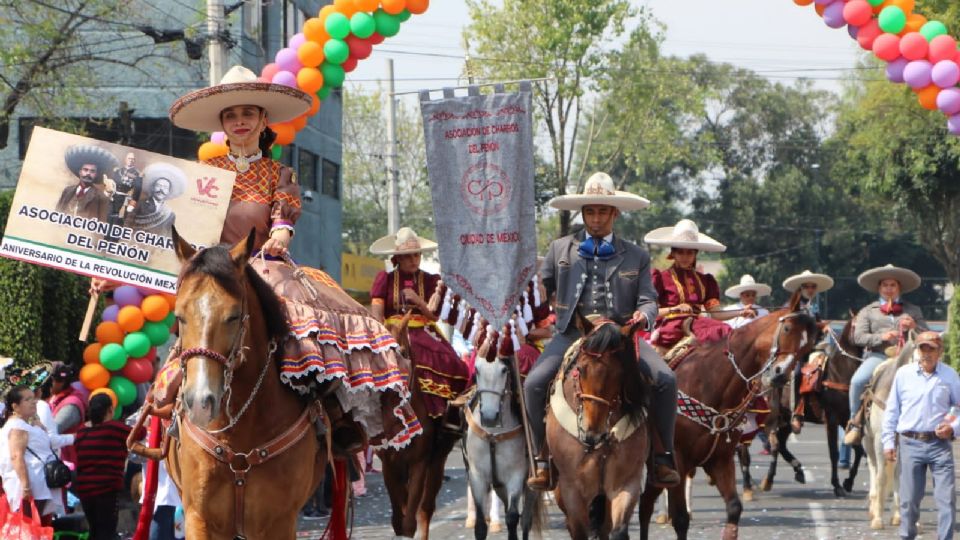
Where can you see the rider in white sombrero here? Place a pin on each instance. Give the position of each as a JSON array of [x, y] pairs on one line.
[[881, 324], [405, 242], [747, 292], [810, 285]]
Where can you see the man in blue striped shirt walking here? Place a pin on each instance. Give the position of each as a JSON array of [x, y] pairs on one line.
[[920, 420]]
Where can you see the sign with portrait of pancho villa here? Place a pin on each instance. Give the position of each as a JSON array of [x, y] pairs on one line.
[[108, 211]]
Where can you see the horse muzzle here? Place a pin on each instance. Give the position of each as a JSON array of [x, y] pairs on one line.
[[490, 420], [202, 406], [780, 372]]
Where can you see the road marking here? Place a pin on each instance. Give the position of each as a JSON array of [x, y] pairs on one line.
[[819, 520]]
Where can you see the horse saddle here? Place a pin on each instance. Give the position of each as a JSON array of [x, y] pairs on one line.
[[811, 375], [679, 352]]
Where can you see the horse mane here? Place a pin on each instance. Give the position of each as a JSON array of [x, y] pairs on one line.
[[634, 389], [217, 263]]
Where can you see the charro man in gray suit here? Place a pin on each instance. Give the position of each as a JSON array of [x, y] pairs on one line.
[[594, 272]]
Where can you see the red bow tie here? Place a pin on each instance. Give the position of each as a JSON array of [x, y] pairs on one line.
[[891, 308]]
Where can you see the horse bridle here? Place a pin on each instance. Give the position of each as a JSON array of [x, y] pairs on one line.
[[580, 396], [507, 391]]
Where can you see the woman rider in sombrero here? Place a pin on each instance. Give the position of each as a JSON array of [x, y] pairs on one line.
[[331, 335]]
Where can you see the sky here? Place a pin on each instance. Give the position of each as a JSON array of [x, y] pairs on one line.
[[773, 37]]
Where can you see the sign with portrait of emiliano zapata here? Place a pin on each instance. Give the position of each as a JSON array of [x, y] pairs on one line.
[[108, 211], [480, 164]]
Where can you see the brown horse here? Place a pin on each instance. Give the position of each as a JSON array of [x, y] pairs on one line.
[[829, 406], [717, 382], [413, 474], [248, 456], [596, 433]]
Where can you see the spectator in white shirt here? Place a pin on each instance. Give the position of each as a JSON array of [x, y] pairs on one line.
[[747, 291]]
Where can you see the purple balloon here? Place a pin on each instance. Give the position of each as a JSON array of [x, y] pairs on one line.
[[945, 74], [918, 74], [826, 2], [833, 15], [287, 60], [948, 101], [110, 313], [127, 295], [285, 78], [296, 41], [953, 124], [853, 31], [895, 69]]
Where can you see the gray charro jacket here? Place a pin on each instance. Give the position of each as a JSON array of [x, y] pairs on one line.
[[871, 323], [628, 278]]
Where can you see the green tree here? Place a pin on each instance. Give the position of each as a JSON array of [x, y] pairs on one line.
[[563, 40]]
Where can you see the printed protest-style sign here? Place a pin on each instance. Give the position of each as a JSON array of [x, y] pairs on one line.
[[108, 211], [480, 165]]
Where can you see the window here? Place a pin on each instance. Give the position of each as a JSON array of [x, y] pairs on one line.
[[331, 179], [252, 14], [307, 169], [152, 134], [293, 19]]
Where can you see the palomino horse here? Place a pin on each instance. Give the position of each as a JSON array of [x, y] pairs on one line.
[[829, 406], [248, 456], [413, 474], [495, 452], [717, 382], [597, 434]]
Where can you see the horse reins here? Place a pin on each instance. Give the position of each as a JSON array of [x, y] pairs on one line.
[[492, 439]]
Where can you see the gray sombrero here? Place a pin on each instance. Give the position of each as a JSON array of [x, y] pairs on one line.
[[79, 155]]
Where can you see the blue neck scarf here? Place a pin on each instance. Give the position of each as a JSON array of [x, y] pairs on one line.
[[596, 249]]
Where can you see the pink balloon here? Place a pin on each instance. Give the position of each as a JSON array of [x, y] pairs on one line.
[[287, 60], [833, 15], [218, 137], [953, 124], [942, 48], [914, 46], [868, 33], [918, 74], [825, 2], [857, 12], [285, 78], [895, 70], [296, 41], [945, 74], [269, 71], [887, 47], [948, 101]]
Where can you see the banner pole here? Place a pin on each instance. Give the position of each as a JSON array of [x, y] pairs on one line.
[[527, 434], [88, 318]]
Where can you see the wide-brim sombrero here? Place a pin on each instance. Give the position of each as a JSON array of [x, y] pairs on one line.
[[405, 242], [747, 283], [823, 281], [684, 235], [171, 173], [87, 154], [599, 190], [908, 279], [200, 110]]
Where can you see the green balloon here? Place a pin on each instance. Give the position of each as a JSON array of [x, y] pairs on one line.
[[892, 19], [337, 25], [933, 29], [336, 51], [170, 319], [323, 93], [362, 25], [136, 344], [276, 152], [404, 15], [113, 356], [333, 74], [875, 3], [157, 332], [387, 25], [117, 412], [125, 390]]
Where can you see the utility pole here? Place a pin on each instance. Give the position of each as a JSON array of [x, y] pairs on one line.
[[216, 49], [393, 192]]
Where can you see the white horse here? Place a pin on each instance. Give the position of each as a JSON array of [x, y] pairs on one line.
[[495, 451]]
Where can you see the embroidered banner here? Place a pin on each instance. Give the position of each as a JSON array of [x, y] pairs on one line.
[[480, 165], [105, 210]]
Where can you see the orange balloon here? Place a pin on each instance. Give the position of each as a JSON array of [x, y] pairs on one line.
[[91, 353], [107, 391], [109, 332], [878, 9], [155, 308], [314, 106], [393, 7], [820, 8], [309, 79], [418, 7], [171, 299], [210, 150], [906, 5], [130, 318], [928, 97], [314, 30], [310, 54], [803, 2], [366, 5], [347, 7], [914, 23], [285, 133], [325, 12], [299, 122], [93, 376]]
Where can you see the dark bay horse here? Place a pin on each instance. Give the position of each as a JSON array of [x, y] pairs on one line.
[[829, 406], [717, 382], [248, 456], [597, 434], [413, 474]]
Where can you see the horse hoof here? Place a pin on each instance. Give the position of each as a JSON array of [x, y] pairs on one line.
[[876, 524], [496, 526], [839, 492], [662, 519], [895, 521], [766, 484], [800, 477], [848, 485], [748, 495], [470, 523]]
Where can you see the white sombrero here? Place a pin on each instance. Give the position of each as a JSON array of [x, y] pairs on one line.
[[747, 283], [200, 110], [870, 280], [823, 281], [404, 242], [600, 190], [168, 172], [684, 235]]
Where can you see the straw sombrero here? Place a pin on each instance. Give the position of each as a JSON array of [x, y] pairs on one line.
[[823, 281], [165, 171], [747, 283], [200, 110], [404, 242], [870, 280], [83, 154], [684, 235], [600, 190]]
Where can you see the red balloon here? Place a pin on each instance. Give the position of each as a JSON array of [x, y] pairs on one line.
[[868, 33], [269, 71], [377, 39], [361, 49], [857, 12], [887, 47], [914, 46], [138, 371], [349, 64], [942, 48]]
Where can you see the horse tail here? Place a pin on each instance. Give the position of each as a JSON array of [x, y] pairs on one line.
[[534, 503]]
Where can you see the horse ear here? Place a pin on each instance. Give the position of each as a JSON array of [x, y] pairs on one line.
[[241, 251], [795, 301], [584, 323], [184, 250]]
